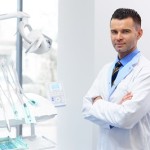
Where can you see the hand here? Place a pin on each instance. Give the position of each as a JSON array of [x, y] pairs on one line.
[[96, 99], [126, 97]]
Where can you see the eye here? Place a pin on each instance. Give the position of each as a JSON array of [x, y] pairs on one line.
[[126, 31], [114, 32]]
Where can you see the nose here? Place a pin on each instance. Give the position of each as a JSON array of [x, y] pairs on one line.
[[119, 36]]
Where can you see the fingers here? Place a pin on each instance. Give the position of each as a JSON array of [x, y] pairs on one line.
[[126, 97], [96, 98]]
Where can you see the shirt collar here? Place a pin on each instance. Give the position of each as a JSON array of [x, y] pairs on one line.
[[128, 58]]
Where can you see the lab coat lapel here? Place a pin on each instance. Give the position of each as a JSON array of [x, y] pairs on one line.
[[109, 77], [121, 74]]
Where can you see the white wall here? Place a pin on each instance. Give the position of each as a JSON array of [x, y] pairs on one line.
[[84, 46], [75, 71]]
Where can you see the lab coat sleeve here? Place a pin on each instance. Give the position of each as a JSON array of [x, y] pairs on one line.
[[87, 107], [131, 111], [87, 113]]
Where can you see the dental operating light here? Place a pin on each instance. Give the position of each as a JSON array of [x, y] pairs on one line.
[[34, 41]]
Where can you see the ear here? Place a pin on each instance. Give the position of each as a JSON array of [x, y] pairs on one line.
[[139, 33]]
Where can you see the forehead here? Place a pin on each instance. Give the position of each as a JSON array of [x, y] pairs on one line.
[[122, 23]]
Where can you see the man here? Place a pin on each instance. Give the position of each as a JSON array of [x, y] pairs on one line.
[[119, 99]]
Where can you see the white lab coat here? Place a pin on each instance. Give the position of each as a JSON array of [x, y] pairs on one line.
[[131, 120]]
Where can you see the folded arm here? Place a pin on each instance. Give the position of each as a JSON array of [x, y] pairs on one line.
[[125, 114]]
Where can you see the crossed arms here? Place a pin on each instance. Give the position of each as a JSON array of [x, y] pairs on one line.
[[126, 97]]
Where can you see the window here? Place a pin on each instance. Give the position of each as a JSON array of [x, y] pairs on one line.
[[7, 32], [38, 70]]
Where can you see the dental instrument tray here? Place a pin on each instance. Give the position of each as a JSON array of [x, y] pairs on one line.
[[12, 144]]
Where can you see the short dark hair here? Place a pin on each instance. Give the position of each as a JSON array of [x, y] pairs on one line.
[[123, 13]]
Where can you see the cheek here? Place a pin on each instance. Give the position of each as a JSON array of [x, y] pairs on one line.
[[132, 40], [112, 39]]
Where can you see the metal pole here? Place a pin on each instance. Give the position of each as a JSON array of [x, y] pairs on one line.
[[19, 56]]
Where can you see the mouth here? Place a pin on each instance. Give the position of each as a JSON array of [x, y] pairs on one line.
[[120, 45]]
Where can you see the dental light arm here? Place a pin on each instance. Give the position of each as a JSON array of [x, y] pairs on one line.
[[18, 14]]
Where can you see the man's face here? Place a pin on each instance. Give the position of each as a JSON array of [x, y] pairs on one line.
[[124, 35]]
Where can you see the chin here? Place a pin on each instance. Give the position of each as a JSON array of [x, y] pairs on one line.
[[118, 50]]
